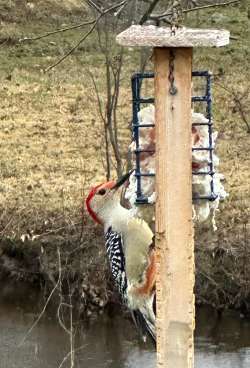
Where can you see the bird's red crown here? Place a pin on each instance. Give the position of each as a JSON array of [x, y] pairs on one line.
[[92, 193]]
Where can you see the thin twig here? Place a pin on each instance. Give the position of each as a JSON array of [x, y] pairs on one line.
[[3, 43], [145, 16], [69, 354], [238, 103], [7, 225], [116, 14], [61, 323], [98, 98], [203, 7], [108, 10], [47, 301], [102, 13], [103, 118], [57, 31], [72, 335], [242, 114], [233, 38], [92, 4], [211, 6], [73, 48], [56, 230]]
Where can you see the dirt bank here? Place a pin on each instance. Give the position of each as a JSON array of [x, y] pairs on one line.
[[70, 260], [222, 275]]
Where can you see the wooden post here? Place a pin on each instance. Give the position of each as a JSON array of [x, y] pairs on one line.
[[174, 229]]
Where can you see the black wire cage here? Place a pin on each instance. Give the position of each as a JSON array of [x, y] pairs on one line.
[[205, 98]]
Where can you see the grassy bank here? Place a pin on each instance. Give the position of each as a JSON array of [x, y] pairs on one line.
[[52, 147]]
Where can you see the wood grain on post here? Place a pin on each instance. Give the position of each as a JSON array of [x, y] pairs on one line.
[[174, 229]]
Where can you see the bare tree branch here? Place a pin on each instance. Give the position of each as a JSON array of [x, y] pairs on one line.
[[108, 10], [113, 64], [92, 4], [47, 301], [184, 11], [98, 98], [103, 118], [75, 47], [151, 7], [95, 22], [57, 31], [69, 355], [240, 105], [3, 43], [116, 14]]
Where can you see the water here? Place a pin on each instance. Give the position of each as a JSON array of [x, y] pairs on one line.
[[108, 342]]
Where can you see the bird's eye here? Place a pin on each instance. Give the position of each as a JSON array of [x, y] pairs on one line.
[[102, 191]]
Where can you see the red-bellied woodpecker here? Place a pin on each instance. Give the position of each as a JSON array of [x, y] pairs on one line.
[[129, 245]]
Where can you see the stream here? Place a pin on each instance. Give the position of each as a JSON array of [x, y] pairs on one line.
[[109, 341]]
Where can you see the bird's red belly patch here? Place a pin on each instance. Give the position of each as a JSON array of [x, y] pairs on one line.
[[149, 284]]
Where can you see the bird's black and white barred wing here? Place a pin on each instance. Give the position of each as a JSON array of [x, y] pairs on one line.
[[114, 247]]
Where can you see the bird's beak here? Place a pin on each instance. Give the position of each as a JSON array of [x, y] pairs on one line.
[[122, 180]]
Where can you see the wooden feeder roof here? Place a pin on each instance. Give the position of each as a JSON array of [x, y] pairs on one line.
[[153, 36]]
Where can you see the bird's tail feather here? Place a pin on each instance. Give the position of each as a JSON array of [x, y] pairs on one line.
[[145, 327]]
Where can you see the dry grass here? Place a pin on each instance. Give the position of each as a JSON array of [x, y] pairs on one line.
[[52, 140]]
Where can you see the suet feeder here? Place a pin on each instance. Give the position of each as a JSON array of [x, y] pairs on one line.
[[139, 101], [173, 155]]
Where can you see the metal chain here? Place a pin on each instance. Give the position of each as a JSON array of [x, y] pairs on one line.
[[176, 16], [174, 23], [172, 89]]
